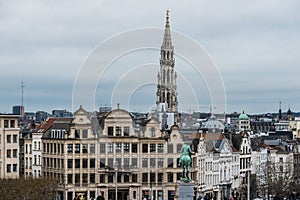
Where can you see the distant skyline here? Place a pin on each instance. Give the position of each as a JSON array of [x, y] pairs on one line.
[[254, 44]]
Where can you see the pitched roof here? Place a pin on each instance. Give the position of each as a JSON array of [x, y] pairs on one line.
[[45, 126]]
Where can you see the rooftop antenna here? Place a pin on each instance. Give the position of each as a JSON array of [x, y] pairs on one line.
[[22, 103]]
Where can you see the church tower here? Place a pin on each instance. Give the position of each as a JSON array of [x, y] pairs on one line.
[[166, 95]]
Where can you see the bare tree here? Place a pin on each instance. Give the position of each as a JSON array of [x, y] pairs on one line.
[[280, 180], [23, 189]]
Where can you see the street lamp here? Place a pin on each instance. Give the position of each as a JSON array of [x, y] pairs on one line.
[[116, 174]]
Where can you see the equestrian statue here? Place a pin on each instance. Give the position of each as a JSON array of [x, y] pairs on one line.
[[185, 161]]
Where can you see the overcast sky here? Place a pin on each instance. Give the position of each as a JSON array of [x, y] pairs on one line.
[[254, 44]]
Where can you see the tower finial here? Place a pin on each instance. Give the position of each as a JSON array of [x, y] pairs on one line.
[[167, 16]]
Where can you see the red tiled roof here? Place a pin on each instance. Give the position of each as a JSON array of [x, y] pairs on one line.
[[45, 126]]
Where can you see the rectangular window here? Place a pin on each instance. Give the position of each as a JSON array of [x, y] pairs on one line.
[[54, 148], [70, 163], [15, 138], [170, 148], [170, 177], [110, 178], [62, 148], [118, 147], [70, 148], [77, 133], [160, 177], [15, 153], [102, 147], [152, 147], [134, 178], [12, 123], [77, 179], [102, 162], [126, 178], [119, 177], [145, 162], [8, 168], [92, 148], [8, 138], [110, 131], [102, 178], [5, 123], [118, 131], [179, 146], [92, 163], [160, 162], [152, 162], [145, 148], [84, 133], [84, 163], [77, 148], [145, 177], [77, 163], [14, 167], [85, 178], [160, 148], [110, 148], [177, 162], [134, 164], [126, 163], [152, 177], [126, 131], [8, 153], [134, 148], [92, 178], [70, 178], [170, 162], [126, 147], [179, 175], [119, 161], [84, 148], [110, 163]]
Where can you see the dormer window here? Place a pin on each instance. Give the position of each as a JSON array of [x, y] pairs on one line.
[[152, 132], [85, 133], [118, 131], [110, 131], [126, 131], [77, 133]]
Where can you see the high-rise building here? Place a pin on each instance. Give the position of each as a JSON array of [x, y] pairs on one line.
[[41, 116], [18, 110]]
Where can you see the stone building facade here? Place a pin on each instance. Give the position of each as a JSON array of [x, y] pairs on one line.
[[9, 146]]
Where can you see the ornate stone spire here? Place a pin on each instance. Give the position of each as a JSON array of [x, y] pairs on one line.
[[166, 86], [167, 42]]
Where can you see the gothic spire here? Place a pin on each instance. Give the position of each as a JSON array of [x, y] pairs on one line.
[[166, 95], [167, 42]]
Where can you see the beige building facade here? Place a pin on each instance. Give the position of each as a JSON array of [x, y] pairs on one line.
[[9, 146]]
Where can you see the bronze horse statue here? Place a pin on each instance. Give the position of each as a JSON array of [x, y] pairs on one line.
[[185, 161]]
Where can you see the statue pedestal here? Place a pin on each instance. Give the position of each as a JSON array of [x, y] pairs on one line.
[[184, 190]]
